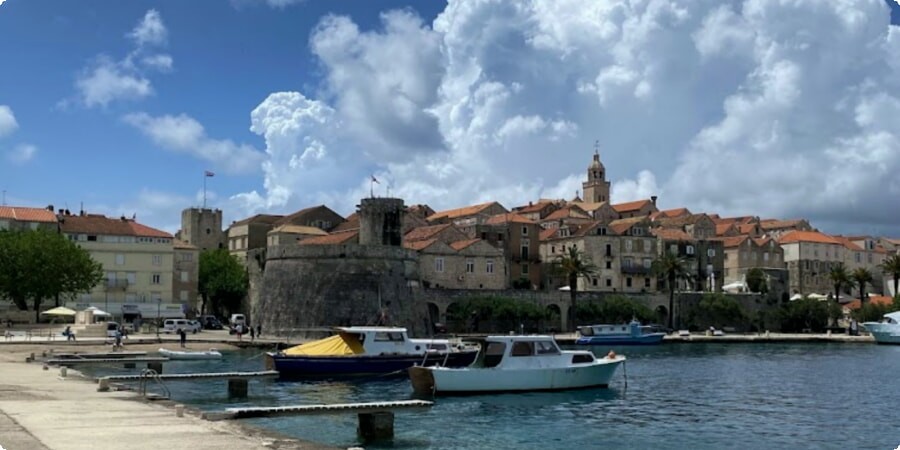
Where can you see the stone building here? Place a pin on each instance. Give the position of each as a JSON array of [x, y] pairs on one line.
[[567, 215], [809, 257], [636, 208], [25, 218], [468, 216], [249, 234], [519, 240], [743, 253], [596, 188], [202, 228], [287, 234], [539, 210], [186, 274], [704, 259], [776, 228], [465, 264]]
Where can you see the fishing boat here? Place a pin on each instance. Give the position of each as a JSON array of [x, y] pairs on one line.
[[357, 351], [631, 334], [180, 354], [518, 364], [887, 331]]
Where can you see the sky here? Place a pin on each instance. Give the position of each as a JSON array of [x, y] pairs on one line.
[[775, 108]]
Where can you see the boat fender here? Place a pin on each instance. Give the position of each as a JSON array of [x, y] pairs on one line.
[[611, 355]]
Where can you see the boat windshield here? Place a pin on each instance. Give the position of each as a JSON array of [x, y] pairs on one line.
[[546, 348], [522, 348], [384, 336], [586, 331], [493, 354]]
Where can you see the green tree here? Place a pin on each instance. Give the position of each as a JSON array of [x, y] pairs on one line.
[[37, 265], [717, 310], [861, 276], [756, 280], [805, 314], [223, 281], [614, 309], [839, 277], [670, 268], [891, 266], [574, 264]]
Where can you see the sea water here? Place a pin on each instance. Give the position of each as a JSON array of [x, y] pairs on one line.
[[691, 396]]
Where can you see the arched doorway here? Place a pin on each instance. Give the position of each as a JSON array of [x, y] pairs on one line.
[[434, 318]]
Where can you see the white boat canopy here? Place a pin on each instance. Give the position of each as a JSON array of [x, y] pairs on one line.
[[59, 311], [97, 311]]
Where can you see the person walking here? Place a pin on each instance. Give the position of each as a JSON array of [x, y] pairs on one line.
[[118, 343], [182, 336], [258, 330], [252, 333], [70, 336]]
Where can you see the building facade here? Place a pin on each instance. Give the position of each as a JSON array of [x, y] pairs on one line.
[[186, 274], [202, 228]]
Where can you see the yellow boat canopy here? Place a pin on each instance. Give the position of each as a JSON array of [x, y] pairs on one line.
[[342, 344]]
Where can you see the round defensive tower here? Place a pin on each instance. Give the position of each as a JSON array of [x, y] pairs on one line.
[[381, 221]]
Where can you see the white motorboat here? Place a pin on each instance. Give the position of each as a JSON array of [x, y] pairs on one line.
[[887, 331], [518, 364], [176, 354]]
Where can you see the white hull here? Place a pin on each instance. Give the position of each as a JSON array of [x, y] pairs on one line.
[[173, 354], [475, 379], [884, 333]]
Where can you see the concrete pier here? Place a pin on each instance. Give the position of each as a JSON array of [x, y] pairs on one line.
[[376, 426]]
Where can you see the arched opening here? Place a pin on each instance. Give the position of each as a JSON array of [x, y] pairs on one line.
[[553, 324], [456, 321], [434, 318], [662, 315]]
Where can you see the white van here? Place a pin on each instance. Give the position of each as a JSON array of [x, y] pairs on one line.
[[238, 319], [173, 325]]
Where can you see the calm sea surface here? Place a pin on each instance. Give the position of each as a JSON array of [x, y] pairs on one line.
[[691, 396]]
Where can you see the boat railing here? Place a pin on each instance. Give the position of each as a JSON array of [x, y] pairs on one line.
[[148, 375]]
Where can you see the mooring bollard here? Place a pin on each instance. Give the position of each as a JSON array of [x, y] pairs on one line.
[[155, 366], [237, 387], [63, 371], [103, 385], [179, 410], [376, 426], [46, 367]]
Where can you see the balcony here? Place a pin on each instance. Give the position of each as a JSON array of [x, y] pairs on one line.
[[114, 285], [636, 270]]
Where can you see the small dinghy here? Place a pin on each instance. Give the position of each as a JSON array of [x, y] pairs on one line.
[[175, 354]]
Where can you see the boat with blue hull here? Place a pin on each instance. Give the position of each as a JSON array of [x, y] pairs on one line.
[[366, 351], [631, 334]]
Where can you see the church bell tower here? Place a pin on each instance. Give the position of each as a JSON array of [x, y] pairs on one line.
[[596, 188]]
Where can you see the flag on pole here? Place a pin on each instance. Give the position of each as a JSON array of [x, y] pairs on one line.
[[209, 174], [375, 180]]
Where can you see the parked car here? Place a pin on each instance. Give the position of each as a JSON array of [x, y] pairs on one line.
[[209, 322], [173, 325], [111, 328]]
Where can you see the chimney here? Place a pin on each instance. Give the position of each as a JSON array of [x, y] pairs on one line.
[[653, 199], [50, 208]]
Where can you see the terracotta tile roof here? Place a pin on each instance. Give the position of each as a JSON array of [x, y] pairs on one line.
[[25, 214], [299, 229], [675, 212], [508, 218], [101, 225], [808, 236], [775, 224], [589, 206], [722, 228], [672, 234], [462, 212], [268, 219], [880, 249], [427, 232], [875, 300], [299, 215], [620, 226], [549, 233], [746, 228], [414, 209], [351, 224], [740, 220], [419, 245], [763, 241], [459, 245], [533, 208], [893, 241], [847, 243], [332, 239], [631, 206], [568, 212], [732, 241]]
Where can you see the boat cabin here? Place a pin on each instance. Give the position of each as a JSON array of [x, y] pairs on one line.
[[389, 340], [632, 329], [518, 352]]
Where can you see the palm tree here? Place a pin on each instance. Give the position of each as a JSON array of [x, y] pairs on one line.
[[891, 266], [671, 268], [861, 276], [839, 277], [573, 264]]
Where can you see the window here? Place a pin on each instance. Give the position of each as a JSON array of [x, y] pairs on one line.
[[521, 348], [608, 250], [499, 237], [489, 266], [184, 276], [130, 297], [594, 281], [525, 269], [601, 231], [183, 296], [646, 282], [673, 249], [91, 238], [483, 236], [858, 257], [609, 264], [155, 278], [157, 260], [689, 250], [869, 258], [524, 230], [637, 231], [647, 246], [628, 245], [388, 337], [552, 249], [120, 259], [648, 263], [525, 244], [628, 282], [187, 257], [546, 348], [130, 277], [438, 264], [608, 282], [711, 252], [470, 266], [766, 256], [626, 262]]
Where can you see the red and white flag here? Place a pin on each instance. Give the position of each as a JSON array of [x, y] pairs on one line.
[[209, 174]]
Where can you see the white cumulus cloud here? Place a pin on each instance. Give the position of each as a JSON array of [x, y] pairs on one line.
[[184, 134], [22, 153], [766, 107], [8, 122], [150, 30]]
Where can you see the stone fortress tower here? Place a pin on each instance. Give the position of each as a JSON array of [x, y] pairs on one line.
[[202, 228], [596, 188], [372, 281]]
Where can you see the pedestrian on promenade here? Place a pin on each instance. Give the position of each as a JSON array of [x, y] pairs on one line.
[[252, 334], [70, 336], [239, 329], [258, 330], [182, 335], [118, 343]]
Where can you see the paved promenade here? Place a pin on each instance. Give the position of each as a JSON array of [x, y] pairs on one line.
[[40, 410]]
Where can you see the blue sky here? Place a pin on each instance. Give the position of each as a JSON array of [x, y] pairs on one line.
[[122, 105]]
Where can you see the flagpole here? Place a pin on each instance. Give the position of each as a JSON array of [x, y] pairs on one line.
[[204, 190]]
